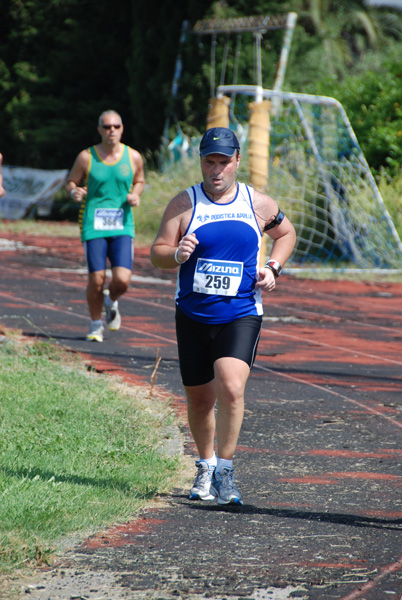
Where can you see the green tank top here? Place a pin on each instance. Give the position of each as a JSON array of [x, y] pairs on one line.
[[105, 212]]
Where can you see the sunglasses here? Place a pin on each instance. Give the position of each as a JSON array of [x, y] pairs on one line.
[[110, 126]]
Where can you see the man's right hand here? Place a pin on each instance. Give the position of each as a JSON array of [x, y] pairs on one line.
[[78, 193], [186, 247]]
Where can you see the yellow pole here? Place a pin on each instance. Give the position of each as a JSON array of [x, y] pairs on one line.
[[259, 144], [259, 152], [218, 112]]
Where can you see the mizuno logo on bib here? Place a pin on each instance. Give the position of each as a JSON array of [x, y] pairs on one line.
[[220, 277]]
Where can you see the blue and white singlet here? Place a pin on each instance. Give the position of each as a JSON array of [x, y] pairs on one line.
[[217, 283]]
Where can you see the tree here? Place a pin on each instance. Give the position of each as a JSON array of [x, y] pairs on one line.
[[62, 62], [343, 30], [65, 61], [372, 100], [151, 62], [62, 70]]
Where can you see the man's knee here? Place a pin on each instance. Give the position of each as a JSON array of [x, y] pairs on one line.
[[120, 286], [231, 376], [96, 280], [121, 278]]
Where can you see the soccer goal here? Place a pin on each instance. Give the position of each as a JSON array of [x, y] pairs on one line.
[[320, 179]]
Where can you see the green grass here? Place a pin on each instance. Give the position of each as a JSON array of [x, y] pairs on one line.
[[78, 450], [391, 192], [41, 227], [161, 187]]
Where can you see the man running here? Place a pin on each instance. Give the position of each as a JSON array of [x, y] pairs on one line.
[[108, 179], [213, 230]]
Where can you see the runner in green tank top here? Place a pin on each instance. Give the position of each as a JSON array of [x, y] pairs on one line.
[[105, 211], [108, 180]]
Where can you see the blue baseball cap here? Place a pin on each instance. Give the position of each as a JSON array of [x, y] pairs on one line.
[[219, 140]]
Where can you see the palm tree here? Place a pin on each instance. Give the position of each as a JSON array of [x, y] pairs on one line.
[[346, 28]]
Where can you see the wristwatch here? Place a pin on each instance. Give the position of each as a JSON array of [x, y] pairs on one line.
[[274, 266]]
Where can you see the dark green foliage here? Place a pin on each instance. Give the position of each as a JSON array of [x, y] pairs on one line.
[[62, 62], [373, 102], [64, 68], [150, 62], [65, 61]]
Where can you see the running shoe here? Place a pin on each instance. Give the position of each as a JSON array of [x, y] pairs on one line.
[[202, 483], [224, 487], [113, 319], [95, 333]]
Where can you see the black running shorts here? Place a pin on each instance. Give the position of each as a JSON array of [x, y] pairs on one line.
[[201, 344]]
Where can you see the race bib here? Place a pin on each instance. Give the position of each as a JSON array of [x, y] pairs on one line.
[[107, 219], [220, 277]]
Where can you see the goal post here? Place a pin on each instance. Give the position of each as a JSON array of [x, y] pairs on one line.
[[320, 178]]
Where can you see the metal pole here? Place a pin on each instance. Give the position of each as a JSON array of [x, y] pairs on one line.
[[258, 68], [213, 55], [177, 72], [283, 60]]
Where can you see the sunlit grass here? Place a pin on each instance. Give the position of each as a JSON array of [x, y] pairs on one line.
[[78, 450], [161, 187]]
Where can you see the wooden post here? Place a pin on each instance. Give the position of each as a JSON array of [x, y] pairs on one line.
[[259, 144], [259, 153], [218, 112]]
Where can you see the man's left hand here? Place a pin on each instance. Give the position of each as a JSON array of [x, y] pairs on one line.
[[267, 280], [133, 199]]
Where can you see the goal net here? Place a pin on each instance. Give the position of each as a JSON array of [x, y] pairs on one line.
[[321, 180]]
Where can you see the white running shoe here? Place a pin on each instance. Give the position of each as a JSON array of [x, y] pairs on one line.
[[224, 487], [113, 319], [202, 483], [95, 333]]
